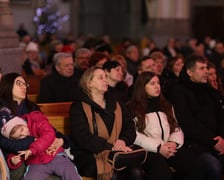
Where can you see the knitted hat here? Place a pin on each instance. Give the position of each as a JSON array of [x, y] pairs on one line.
[[8, 121], [32, 46]]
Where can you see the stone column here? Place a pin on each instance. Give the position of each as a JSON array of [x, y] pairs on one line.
[[168, 18], [74, 17], [10, 53], [8, 36]]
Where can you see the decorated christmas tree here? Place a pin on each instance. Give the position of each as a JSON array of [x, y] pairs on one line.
[[48, 19]]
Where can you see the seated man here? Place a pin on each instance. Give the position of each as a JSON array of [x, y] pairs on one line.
[[200, 112], [61, 84]]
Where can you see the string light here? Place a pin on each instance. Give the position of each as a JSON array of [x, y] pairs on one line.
[[49, 19]]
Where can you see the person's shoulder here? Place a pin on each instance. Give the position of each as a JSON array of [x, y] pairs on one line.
[[178, 87]]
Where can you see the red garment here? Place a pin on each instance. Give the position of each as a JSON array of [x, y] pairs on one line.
[[44, 133]]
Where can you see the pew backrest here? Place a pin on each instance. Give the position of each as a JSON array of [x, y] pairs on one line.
[[58, 115], [55, 109]]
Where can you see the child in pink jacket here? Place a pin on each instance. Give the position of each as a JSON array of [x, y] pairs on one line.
[[40, 163]]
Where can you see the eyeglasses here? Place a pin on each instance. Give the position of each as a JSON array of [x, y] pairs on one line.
[[22, 84]]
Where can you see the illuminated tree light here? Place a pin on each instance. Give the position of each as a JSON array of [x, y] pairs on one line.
[[49, 19]]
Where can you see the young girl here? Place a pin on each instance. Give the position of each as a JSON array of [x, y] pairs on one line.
[[40, 162], [159, 133]]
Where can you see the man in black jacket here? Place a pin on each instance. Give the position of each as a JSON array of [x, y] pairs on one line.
[[200, 112], [61, 85]]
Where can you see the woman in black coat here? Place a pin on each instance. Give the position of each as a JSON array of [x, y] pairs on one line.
[[113, 128]]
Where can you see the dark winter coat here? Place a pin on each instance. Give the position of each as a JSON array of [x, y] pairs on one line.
[[57, 88], [167, 81], [85, 142], [199, 110]]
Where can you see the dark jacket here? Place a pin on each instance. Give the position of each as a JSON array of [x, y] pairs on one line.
[[85, 142], [57, 88], [131, 66], [120, 92], [200, 111], [216, 59], [27, 67], [167, 81]]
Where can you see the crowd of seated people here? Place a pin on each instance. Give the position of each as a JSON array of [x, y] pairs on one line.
[[103, 76]]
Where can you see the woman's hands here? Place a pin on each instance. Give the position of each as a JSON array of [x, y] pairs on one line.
[[120, 145], [58, 142], [168, 149]]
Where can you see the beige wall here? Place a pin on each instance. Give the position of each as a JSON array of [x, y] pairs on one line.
[[168, 9]]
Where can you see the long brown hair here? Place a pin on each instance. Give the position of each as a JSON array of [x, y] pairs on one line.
[[138, 103], [210, 65]]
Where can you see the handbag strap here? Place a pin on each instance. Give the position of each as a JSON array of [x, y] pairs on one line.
[[95, 130]]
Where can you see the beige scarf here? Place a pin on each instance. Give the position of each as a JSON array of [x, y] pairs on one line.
[[104, 169]]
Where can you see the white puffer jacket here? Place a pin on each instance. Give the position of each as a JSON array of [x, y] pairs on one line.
[[157, 132]]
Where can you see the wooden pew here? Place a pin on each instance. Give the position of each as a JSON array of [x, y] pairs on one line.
[[34, 83], [60, 123], [55, 109], [32, 97], [88, 178], [58, 115]]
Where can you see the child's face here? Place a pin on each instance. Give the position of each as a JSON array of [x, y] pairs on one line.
[[20, 132]]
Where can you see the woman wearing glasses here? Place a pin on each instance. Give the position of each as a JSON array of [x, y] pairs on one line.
[[13, 91], [13, 95]]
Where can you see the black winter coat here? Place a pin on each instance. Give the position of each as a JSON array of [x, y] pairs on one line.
[[56, 88], [85, 143], [199, 110]]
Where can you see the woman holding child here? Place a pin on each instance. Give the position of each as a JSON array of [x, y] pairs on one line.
[[13, 95], [40, 163]]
